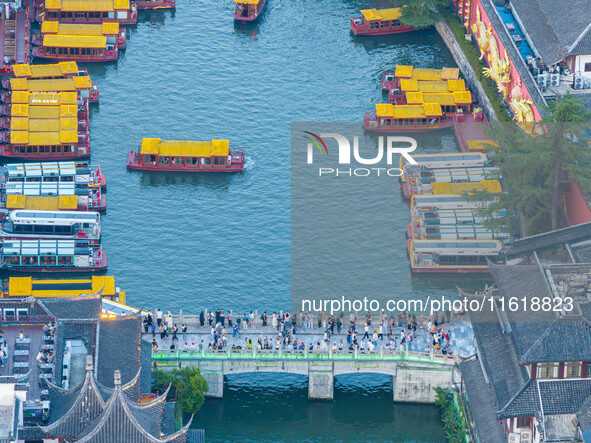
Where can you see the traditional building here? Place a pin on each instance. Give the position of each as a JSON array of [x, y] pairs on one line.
[[530, 380]]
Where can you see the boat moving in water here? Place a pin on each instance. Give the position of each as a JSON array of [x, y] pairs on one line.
[[186, 156], [248, 10], [23, 224], [379, 22], [51, 256]]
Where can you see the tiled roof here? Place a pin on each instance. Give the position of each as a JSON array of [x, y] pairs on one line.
[[497, 354], [119, 348], [584, 415], [481, 400], [557, 396], [553, 28], [527, 245], [81, 307], [566, 339], [124, 421]]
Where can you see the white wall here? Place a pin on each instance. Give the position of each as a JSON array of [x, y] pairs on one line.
[[579, 65]]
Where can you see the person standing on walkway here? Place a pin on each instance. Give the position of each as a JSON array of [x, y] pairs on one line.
[[217, 316], [229, 318], [158, 317], [251, 318], [245, 321], [264, 318], [274, 320], [223, 318], [201, 319], [210, 318], [366, 329], [163, 332], [169, 322], [153, 328], [310, 320], [174, 332], [184, 329]]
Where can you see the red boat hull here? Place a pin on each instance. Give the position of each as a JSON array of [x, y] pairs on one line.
[[133, 162], [109, 56], [166, 4], [260, 7], [364, 30]]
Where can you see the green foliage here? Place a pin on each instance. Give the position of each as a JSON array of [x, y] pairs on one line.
[[453, 425], [422, 13], [537, 170], [188, 387], [473, 56]]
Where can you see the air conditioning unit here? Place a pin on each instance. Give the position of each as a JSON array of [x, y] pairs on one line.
[[554, 80], [530, 60], [543, 79], [526, 436], [514, 437], [588, 83], [579, 82]]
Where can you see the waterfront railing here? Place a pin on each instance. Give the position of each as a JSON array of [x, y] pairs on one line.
[[280, 354]]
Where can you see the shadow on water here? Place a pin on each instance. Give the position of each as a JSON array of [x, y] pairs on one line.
[[152, 16], [213, 181]]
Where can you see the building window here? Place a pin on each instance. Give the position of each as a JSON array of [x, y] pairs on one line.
[[523, 422], [573, 369], [547, 370], [587, 67]]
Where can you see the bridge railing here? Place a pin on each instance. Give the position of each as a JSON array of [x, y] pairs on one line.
[[267, 354]]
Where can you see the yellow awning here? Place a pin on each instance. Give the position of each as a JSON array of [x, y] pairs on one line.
[[185, 148], [20, 110], [87, 29], [58, 84], [414, 98], [381, 14], [370, 14], [86, 5], [444, 98], [407, 85], [403, 71], [481, 145], [247, 2], [462, 97], [43, 124], [445, 188], [20, 286], [45, 71], [74, 41], [42, 203], [456, 85], [388, 110], [44, 99], [106, 283], [450, 73], [43, 138]]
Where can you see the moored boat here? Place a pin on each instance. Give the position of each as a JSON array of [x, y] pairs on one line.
[[422, 180], [248, 10], [405, 118], [81, 43], [442, 160], [379, 22], [51, 256], [186, 156], [398, 96], [455, 256], [392, 80], [74, 225], [81, 175], [46, 203], [87, 11], [52, 71]]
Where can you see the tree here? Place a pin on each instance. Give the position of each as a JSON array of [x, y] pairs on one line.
[[537, 168], [188, 387], [422, 13], [453, 425]]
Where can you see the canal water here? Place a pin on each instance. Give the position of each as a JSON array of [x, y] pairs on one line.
[[193, 242]]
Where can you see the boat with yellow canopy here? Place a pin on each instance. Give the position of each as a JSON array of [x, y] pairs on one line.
[[82, 43], [393, 79], [87, 11], [379, 22], [405, 118], [155, 154], [248, 10]]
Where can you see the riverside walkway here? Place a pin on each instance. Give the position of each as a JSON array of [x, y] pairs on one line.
[[415, 370]]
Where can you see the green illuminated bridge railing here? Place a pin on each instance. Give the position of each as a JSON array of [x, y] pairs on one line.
[[173, 357]]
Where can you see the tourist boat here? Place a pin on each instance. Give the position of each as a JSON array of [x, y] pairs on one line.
[[453, 255], [78, 175], [451, 103], [186, 156], [55, 71], [24, 224], [379, 22], [405, 118], [155, 4], [420, 203], [248, 10], [81, 85], [82, 43], [392, 80], [422, 180], [87, 11], [49, 288], [443, 160], [51, 256], [451, 224], [398, 96], [41, 132]]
